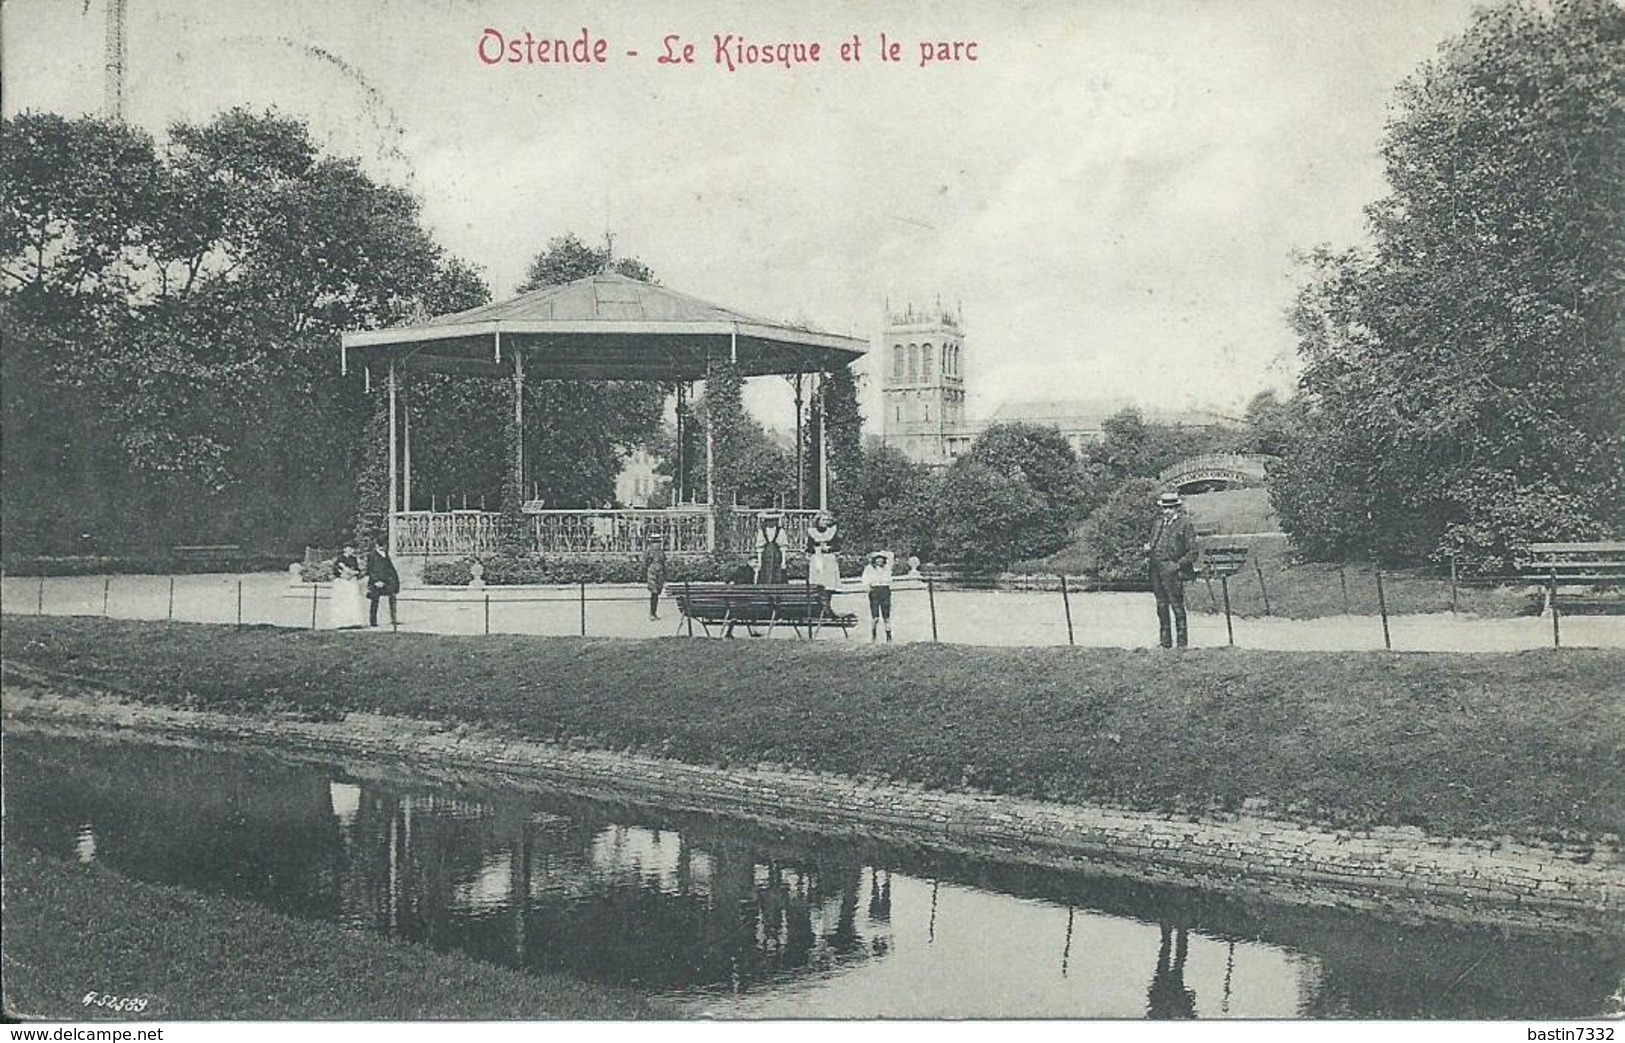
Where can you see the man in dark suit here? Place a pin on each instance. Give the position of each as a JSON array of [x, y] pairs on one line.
[[382, 582], [1172, 551]]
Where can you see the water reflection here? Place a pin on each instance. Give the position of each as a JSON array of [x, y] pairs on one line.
[[1168, 997], [731, 921]]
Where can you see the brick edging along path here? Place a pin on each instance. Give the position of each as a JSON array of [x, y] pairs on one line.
[[1390, 870]]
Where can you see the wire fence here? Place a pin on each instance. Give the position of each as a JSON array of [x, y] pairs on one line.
[[1034, 610]]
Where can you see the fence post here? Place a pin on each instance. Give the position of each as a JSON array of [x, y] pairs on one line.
[[107, 585], [39, 605], [1343, 581], [1452, 583], [488, 612], [1259, 569], [1557, 636], [172, 599], [1229, 628], [1382, 607], [1067, 601], [583, 608], [688, 617], [931, 596], [313, 591], [239, 604]]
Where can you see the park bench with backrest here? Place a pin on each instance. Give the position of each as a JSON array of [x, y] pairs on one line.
[[1577, 576], [203, 558], [756, 606]]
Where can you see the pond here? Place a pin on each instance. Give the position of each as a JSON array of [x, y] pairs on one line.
[[722, 919]]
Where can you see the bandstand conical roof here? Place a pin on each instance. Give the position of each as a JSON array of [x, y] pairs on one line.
[[603, 327]]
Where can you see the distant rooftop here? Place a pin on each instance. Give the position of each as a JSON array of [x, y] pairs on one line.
[[1088, 414]]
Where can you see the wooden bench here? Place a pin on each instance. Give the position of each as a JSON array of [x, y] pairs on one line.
[[222, 555], [1577, 576], [805, 609]]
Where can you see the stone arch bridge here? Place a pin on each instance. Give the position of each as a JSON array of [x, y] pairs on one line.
[[1213, 471]]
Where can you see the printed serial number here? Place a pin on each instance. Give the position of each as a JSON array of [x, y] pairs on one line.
[[106, 1002]]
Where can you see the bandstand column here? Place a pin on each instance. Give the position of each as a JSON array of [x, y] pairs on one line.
[[394, 477], [801, 445], [677, 498], [519, 426], [823, 446], [406, 458], [710, 448]]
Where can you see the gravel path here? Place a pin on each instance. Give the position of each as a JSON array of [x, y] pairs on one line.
[[963, 617]]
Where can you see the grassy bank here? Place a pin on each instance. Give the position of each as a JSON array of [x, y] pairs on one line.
[[1531, 744], [193, 957], [1313, 590], [1271, 584]]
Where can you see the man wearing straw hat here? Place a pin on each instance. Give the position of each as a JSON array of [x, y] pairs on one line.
[[1172, 552]]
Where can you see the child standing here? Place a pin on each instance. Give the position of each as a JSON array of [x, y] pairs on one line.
[[877, 581]]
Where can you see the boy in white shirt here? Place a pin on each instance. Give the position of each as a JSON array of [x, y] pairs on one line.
[[877, 581]]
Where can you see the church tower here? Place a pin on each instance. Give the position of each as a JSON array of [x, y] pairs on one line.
[[923, 385]]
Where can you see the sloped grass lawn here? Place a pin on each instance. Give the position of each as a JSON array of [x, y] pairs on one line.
[[71, 930], [1529, 744], [1315, 590]]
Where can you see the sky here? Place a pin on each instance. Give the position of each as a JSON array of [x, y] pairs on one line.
[[1112, 191]]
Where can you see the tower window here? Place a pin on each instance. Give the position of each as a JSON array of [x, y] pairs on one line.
[[897, 362], [926, 353], [913, 363]]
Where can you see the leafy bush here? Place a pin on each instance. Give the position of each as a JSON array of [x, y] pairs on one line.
[[98, 565], [317, 571], [516, 569], [1116, 533], [1013, 497]]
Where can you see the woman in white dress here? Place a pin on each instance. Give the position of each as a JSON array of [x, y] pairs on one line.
[[345, 611], [823, 541]]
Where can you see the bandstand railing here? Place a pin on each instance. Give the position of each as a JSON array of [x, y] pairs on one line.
[[585, 532]]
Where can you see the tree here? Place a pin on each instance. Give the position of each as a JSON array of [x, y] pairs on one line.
[[724, 418], [988, 517], [1461, 377], [577, 433], [1132, 447], [766, 472], [1014, 495], [1041, 457], [1115, 533], [1271, 424], [567, 259], [842, 424], [895, 505], [178, 307]]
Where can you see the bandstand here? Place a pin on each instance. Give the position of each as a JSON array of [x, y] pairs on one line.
[[603, 327]]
